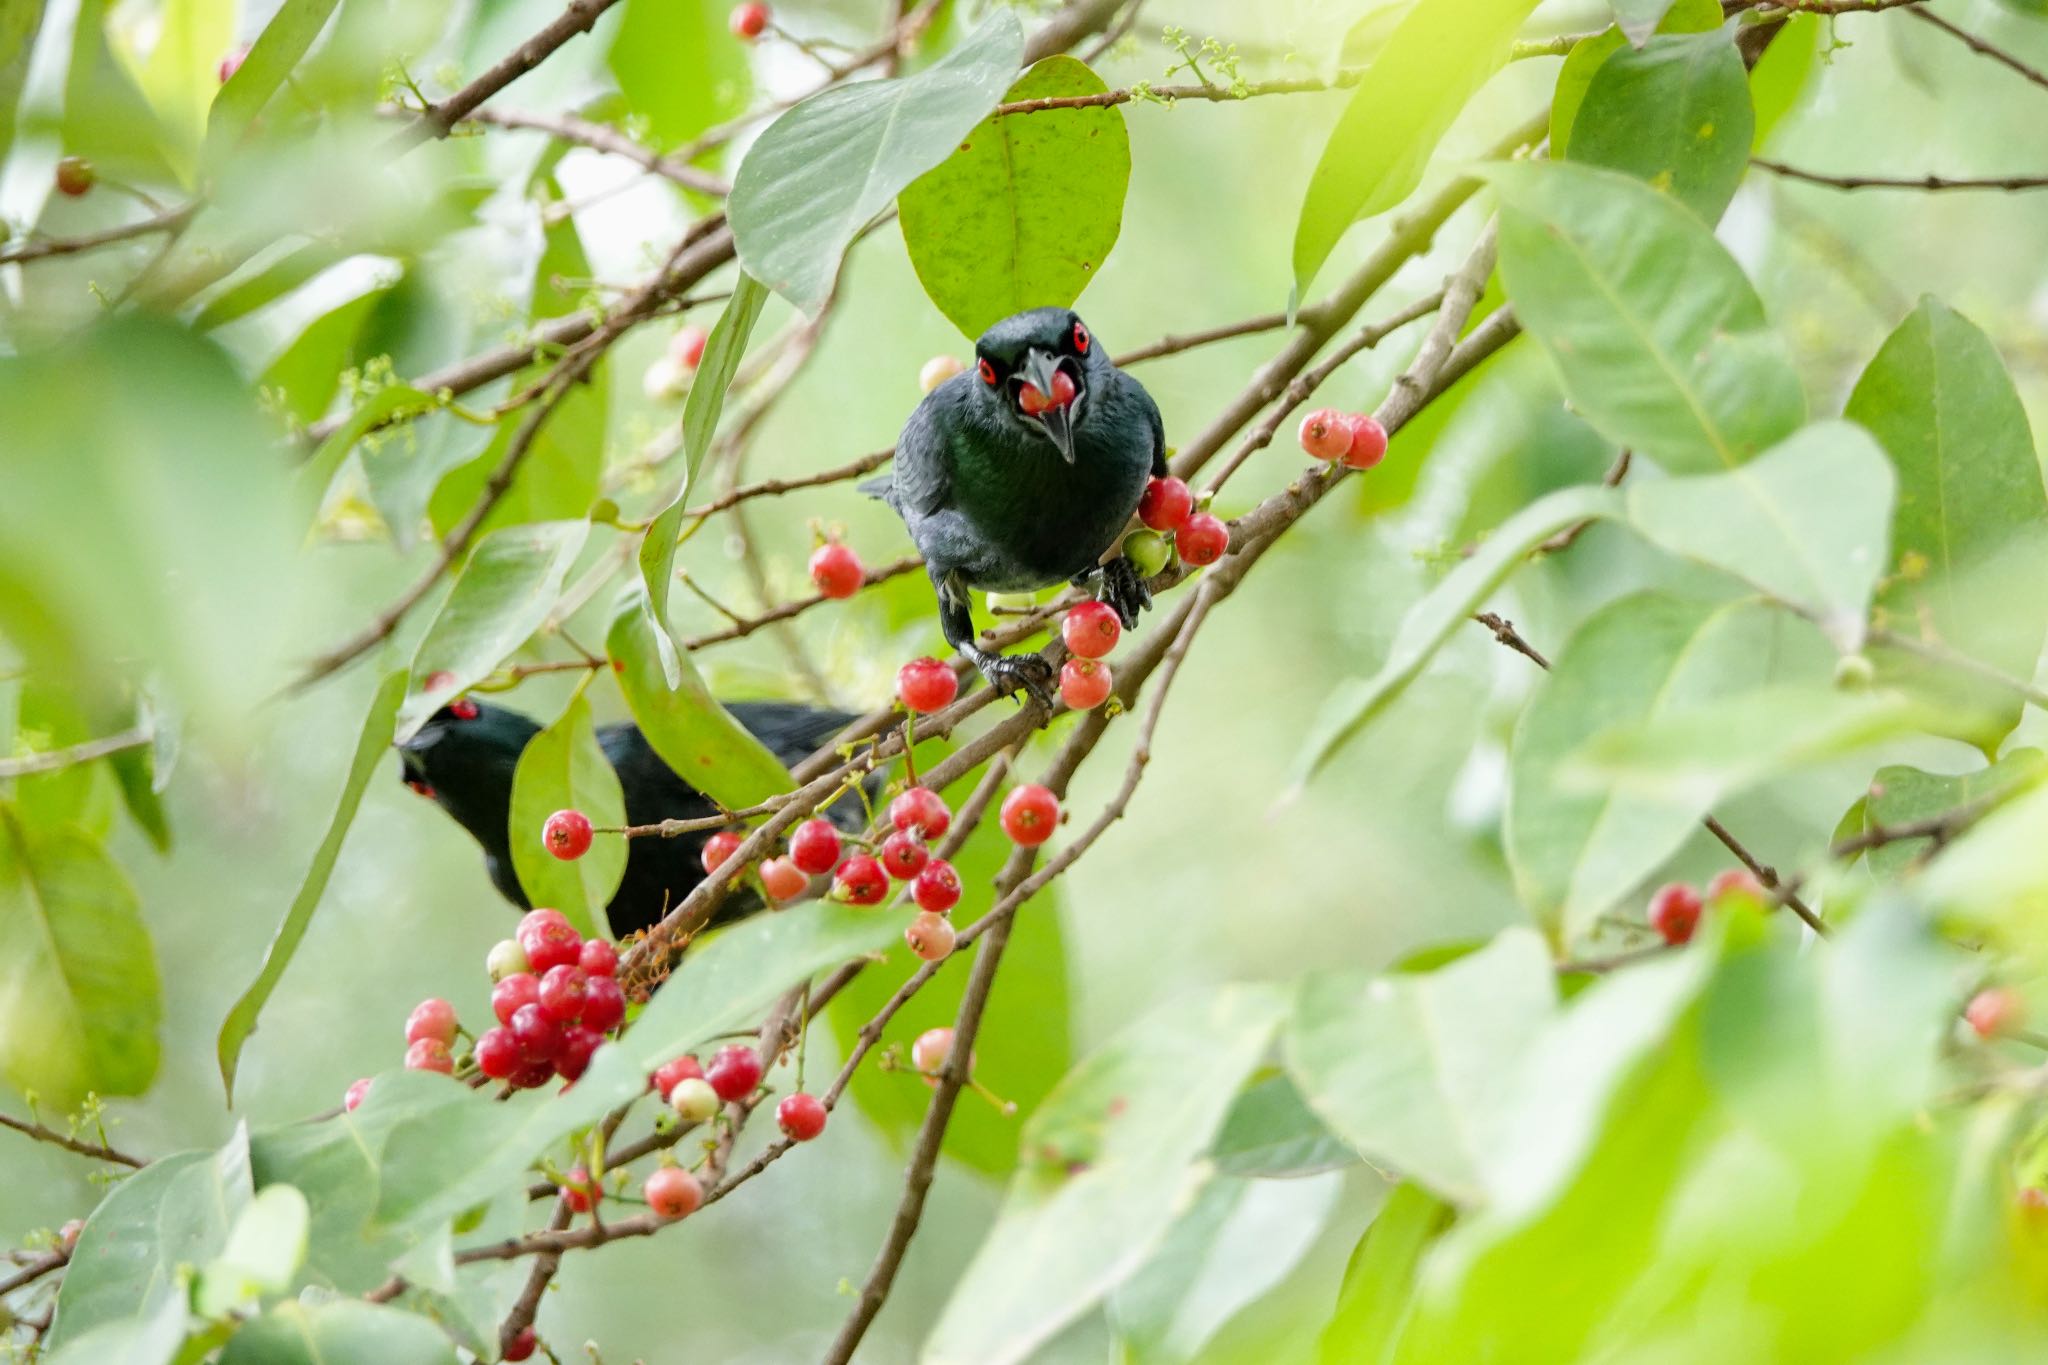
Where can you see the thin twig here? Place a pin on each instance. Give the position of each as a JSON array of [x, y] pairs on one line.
[[85, 752], [605, 138], [1887, 182], [438, 120], [97, 1151], [37, 248], [1991, 50], [34, 1270]]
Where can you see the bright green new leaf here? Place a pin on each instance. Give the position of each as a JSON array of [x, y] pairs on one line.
[[1675, 114], [562, 768], [824, 169], [343, 1330], [284, 40], [265, 1249], [1379, 1281], [371, 748], [1024, 212], [79, 997], [1443, 51], [181, 76], [1110, 1160], [1901, 795], [678, 67], [1660, 341], [505, 591]]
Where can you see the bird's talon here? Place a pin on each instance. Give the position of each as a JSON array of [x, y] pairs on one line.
[[1028, 672]]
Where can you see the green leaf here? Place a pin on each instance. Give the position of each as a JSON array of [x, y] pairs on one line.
[[1110, 1160], [1025, 211], [20, 21], [1589, 54], [505, 591], [1638, 19], [392, 403], [264, 1251], [105, 116], [562, 768], [371, 747], [1407, 1068], [1575, 855], [1660, 341], [1443, 51], [1379, 1281], [678, 67], [181, 75], [715, 371], [1901, 794], [1805, 522], [824, 169], [1967, 535], [79, 998], [325, 1333], [152, 1339], [307, 374], [1442, 610], [686, 725], [1996, 872], [1271, 1133], [284, 40], [135, 772], [174, 1212], [1675, 114]]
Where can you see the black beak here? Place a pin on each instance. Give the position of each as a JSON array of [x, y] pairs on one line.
[[1039, 367]]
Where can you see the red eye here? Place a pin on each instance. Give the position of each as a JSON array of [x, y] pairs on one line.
[[988, 373], [462, 708], [1080, 339]]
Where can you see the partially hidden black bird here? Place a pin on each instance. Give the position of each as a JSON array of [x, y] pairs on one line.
[[463, 759], [1022, 473]]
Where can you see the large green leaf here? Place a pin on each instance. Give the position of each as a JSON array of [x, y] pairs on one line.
[[1996, 872], [1443, 51], [1638, 19], [371, 747], [824, 169], [324, 1333], [1110, 1160], [562, 768], [153, 1339], [1442, 610], [1901, 794], [284, 40], [1590, 53], [1674, 113], [79, 998], [506, 590], [1379, 1281], [1805, 522], [265, 1249], [1025, 211], [1660, 341], [678, 67], [1408, 1068], [174, 1212], [180, 77], [1271, 1133]]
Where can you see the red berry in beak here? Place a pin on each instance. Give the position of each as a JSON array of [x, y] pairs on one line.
[[1031, 402]]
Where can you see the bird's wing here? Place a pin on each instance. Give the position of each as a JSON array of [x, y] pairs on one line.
[[792, 730], [924, 460], [1156, 424]]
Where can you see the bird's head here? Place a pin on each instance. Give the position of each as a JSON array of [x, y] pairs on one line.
[[464, 757], [1039, 368]]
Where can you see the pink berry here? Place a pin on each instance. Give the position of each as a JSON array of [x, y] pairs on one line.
[[904, 855], [67, 1236], [929, 1052], [432, 1018], [925, 685], [814, 848], [548, 939], [1202, 539], [566, 834], [1326, 433], [719, 848], [521, 988], [1995, 1012], [598, 958], [579, 1044], [1030, 814], [1091, 630], [1675, 912], [937, 888], [1166, 504], [498, 1054], [430, 1054], [538, 1035], [782, 879], [75, 176], [672, 1193], [682, 1068], [800, 1116], [921, 811], [930, 937], [604, 1004], [358, 1091], [579, 1190], [562, 991], [1085, 683], [734, 1072], [1368, 442], [749, 21], [938, 370], [1737, 881], [860, 881], [521, 1347], [686, 347], [231, 63], [836, 570]]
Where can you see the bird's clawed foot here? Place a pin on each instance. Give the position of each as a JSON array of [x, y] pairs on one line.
[[1124, 589], [1007, 673]]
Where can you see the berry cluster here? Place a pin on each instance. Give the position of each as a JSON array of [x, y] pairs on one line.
[[1168, 510], [1090, 630], [556, 998], [1356, 438], [1675, 909]]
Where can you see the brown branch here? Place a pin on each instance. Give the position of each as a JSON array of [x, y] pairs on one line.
[[37, 248], [1886, 182], [1174, 344], [1940, 827], [85, 752], [71, 1144], [748, 625], [603, 137], [438, 120], [1169, 94], [1976, 44], [772, 487], [34, 1270]]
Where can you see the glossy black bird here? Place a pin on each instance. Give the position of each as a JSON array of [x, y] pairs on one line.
[[464, 757], [1022, 472]]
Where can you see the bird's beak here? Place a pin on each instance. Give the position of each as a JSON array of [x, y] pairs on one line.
[[1039, 367]]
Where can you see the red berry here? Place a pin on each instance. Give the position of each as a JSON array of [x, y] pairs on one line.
[[921, 811], [749, 21], [686, 347], [358, 1091], [682, 1068], [925, 685], [530, 1075], [74, 176], [1368, 442], [562, 991], [937, 888], [579, 1043], [1737, 881], [1091, 629], [432, 1018], [734, 1072], [719, 848], [1995, 1012], [1029, 814], [1202, 539], [579, 1190], [232, 63], [548, 939], [598, 958], [836, 570], [520, 1347], [508, 995], [1031, 402], [814, 848], [462, 708], [672, 1193], [429, 1054], [1675, 912], [860, 881], [498, 1054], [1166, 504], [566, 834], [904, 855], [1326, 433], [1085, 683], [604, 1004], [782, 879], [539, 1036], [801, 1117], [930, 937]]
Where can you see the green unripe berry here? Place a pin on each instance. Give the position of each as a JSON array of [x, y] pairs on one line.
[[1147, 551], [693, 1099], [507, 959], [1854, 672], [1011, 601]]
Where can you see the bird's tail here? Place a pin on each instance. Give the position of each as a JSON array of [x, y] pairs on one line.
[[882, 489]]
